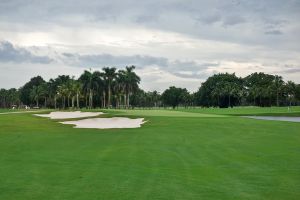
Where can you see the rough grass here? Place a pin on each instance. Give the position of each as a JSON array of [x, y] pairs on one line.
[[178, 157]]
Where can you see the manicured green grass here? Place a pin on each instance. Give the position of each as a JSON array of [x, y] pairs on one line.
[[7, 110], [161, 113], [274, 111], [186, 156]]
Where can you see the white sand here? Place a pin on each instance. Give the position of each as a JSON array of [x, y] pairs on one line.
[[107, 123], [69, 115]]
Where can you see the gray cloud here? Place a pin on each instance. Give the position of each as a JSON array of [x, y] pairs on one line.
[[207, 33], [100, 60], [273, 32], [233, 20], [10, 53], [177, 67], [177, 16], [290, 69]]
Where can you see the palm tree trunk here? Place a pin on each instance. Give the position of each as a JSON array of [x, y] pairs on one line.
[[77, 99], [260, 100], [86, 100], [91, 98], [104, 99], [73, 102], [125, 100], [37, 102], [54, 102], [68, 101], [109, 94], [117, 101], [277, 99], [128, 100]]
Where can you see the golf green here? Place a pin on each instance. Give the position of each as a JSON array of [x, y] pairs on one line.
[[175, 155]]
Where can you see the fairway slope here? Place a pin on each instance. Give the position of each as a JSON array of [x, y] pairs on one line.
[[163, 113], [171, 157]]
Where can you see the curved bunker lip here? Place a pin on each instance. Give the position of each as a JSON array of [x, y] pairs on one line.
[[276, 118], [107, 123], [69, 115]]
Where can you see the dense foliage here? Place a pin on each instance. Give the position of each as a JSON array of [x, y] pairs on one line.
[[120, 89], [257, 89], [108, 88]]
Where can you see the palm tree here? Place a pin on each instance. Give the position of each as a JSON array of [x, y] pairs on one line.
[[132, 80], [109, 76], [290, 89], [216, 93], [119, 87], [77, 87], [86, 79], [36, 93], [74, 90], [45, 93], [278, 84], [3, 98], [62, 91], [90, 83], [155, 97]]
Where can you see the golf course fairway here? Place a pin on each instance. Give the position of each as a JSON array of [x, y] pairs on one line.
[[184, 154]]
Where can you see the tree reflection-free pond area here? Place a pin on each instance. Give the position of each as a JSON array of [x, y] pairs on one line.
[[275, 118]]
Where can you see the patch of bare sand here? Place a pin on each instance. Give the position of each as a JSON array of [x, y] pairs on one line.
[[107, 123], [69, 115]]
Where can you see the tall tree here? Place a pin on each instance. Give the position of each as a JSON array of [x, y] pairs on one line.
[[290, 89], [62, 91], [119, 87], [132, 81], [174, 96], [109, 76], [278, 85], [36, 93], [220, 90], [26, 89], [90, 83]]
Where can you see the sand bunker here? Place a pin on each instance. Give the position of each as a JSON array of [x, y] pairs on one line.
[[69, 115], [106, 123]]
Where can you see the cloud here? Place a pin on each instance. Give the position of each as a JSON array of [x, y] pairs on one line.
[[10, 53], [291, 69], [100, 60], [233, 20], [184, 69], [209, 19], [179, 39], [274, 32]]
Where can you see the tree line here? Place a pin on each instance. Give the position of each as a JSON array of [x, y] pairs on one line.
[[106, 88], [112, 88], [257, 89]]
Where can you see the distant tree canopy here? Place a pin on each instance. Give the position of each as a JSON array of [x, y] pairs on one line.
[[120, 89], [257, 89], [26, 89], [223, 90], [175, 96]]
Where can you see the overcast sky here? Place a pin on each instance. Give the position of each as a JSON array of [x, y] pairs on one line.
[[171, 42]]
